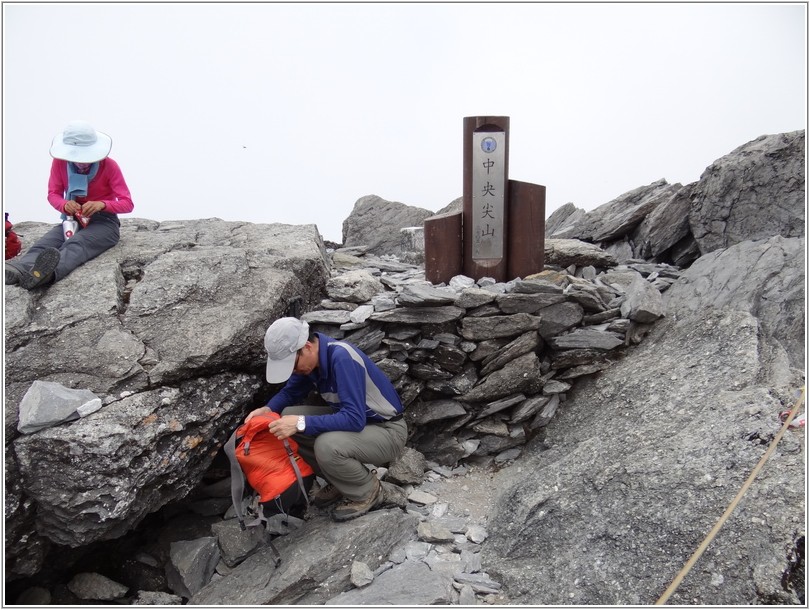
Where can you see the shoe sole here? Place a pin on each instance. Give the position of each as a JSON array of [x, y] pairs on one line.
[[41, 271], [349, 517]]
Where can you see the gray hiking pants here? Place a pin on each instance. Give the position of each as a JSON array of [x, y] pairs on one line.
[[101, 234], [339, 457]]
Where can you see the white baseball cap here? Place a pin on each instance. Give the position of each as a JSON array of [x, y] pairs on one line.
[[282, 340], [80, 143]]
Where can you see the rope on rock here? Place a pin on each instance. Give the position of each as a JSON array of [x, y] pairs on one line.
[[703, 545]]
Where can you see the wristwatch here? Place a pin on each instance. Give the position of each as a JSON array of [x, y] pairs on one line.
[[302, 424]]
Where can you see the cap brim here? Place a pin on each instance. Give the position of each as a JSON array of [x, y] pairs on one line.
[[280, 370], [82, 154]]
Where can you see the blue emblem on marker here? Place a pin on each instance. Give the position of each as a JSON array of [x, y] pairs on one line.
[[488, 145]]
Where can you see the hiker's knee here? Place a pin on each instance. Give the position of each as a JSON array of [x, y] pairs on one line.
[[328, 448]]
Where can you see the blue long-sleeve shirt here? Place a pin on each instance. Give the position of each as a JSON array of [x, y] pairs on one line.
[[349, 381]]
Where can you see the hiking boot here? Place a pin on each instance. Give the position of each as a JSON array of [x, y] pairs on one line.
[[349, 509], [326, 496], [41, 272]]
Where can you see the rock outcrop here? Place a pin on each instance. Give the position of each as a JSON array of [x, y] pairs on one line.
[[618, 218], [622, 399], [765, 278], [755, 192], [643, 460], [166, 328], [376, 224]]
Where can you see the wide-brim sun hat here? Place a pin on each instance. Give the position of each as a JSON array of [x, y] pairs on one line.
[[80, 143], [282, 341]]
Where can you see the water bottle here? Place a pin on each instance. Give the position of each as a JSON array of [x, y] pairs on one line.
[[69, 227]]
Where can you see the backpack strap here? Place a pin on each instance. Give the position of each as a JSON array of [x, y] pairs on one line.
[[269, 540], [298, 476], [237, 480]]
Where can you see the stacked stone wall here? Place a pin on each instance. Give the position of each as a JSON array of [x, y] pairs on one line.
[[483, 366]]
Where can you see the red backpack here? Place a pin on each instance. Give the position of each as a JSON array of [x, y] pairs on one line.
[[13, 245]]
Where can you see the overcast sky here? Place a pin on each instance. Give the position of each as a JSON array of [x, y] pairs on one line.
[[292, 112]]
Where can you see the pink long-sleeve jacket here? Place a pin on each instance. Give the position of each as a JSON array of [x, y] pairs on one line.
[[108, 186]]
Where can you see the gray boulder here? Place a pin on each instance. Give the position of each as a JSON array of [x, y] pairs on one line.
[[376, 224], [619, 217], [355, 286], [752, 193], [93, 586], [585, 338], [765, 278], [665, 226], [562, 217], [519, 376], [155, 598], [413, 583], [129, 459], [192, 565], [642, 303], [702, 393], [167, 329], [170, 301], [652, 466], [565, 252]]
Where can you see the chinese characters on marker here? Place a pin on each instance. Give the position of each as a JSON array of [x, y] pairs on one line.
[[487, 207], [488, 195]]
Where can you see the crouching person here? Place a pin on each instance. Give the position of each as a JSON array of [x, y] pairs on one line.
[[363, 423]]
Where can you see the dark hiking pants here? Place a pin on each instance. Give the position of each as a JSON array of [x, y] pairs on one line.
[[101, 234]]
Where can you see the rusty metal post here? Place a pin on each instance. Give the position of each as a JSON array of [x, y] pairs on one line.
[[443, 247], [527, 229], [485, 196]]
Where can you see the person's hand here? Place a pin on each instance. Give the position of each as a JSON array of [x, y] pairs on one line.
[[284, 427], [71, 207], [254, 412], [91, 207]]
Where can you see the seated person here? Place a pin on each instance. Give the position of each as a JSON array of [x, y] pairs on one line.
[[87, 185]]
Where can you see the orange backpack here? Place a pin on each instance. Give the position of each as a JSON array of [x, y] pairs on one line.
[[271, 467], [268, 463]]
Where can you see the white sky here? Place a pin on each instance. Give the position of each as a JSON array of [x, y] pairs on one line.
[[292, 112]]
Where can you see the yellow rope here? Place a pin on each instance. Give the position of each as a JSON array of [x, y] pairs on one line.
[[703, 545]]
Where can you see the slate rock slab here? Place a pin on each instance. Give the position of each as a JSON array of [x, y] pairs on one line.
[[412, 584], [47, 404], [316, 561]]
